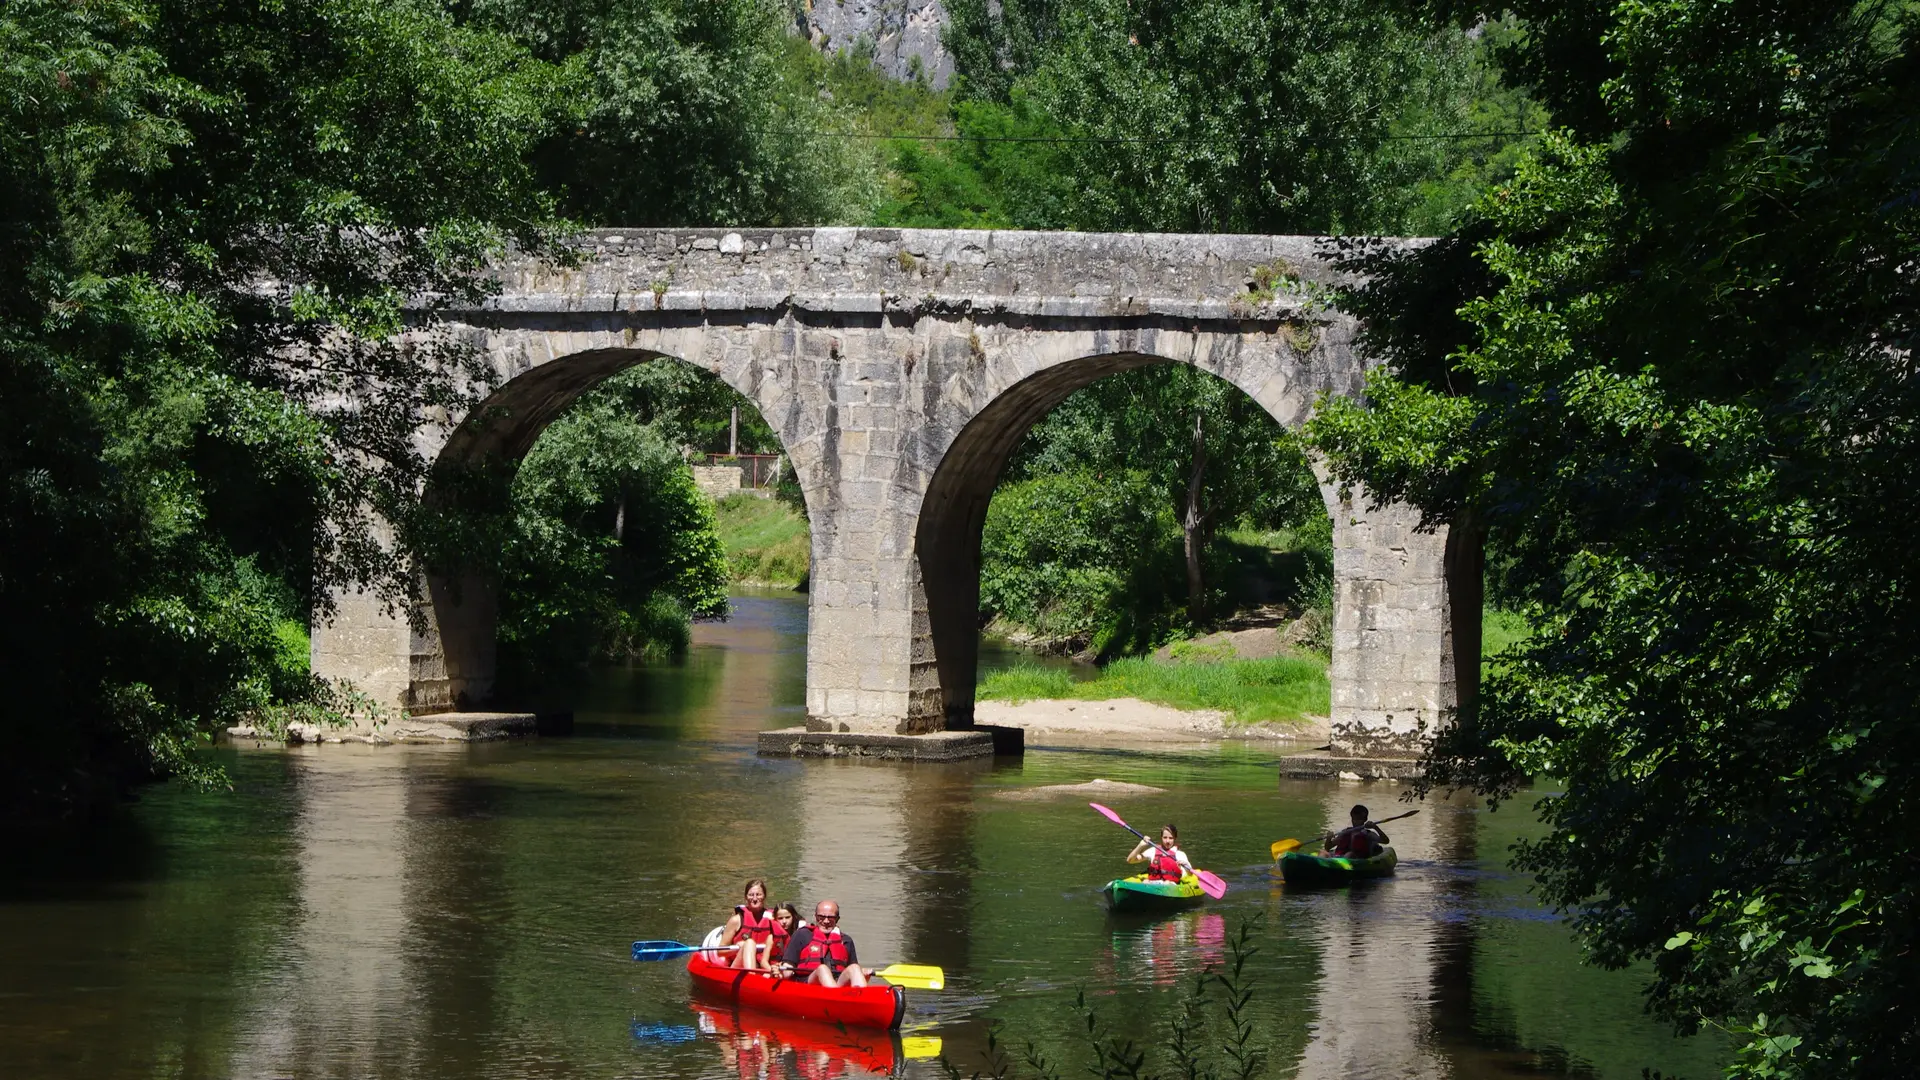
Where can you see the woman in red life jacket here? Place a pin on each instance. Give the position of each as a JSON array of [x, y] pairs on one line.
[[751, 927], [1165, 863], [821, 953]]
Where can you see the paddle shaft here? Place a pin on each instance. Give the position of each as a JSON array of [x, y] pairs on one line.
[[1382, 821]]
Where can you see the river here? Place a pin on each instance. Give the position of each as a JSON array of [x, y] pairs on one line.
[[357, 912]]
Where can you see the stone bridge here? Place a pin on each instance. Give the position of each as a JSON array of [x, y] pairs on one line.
[[900, 369]]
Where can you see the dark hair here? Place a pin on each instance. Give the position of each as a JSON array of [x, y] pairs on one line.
[[1172, 828], [786, 906], [1358, 811], [751, 882]]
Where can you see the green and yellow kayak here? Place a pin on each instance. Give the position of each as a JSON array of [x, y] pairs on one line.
[[1301, 868], [1137, 893]]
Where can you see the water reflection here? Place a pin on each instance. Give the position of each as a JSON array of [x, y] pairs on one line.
[[337, 1005], [757, 1047], [465, 911], [1381, 942]]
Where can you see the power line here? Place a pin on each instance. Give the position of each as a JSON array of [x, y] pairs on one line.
[[1128, 140]]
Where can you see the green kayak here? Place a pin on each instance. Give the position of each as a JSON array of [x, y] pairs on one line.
[[1139, 894], [1301, 868]]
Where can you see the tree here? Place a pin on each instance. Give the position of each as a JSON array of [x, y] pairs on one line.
[[1669, 370], [1222, 115], [610, 546], [1213, 453], [687, 114], [188, 454]]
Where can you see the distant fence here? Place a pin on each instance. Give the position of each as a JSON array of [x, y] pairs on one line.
[[757, 471]]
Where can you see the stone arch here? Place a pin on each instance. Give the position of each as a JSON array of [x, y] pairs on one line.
[[453, 664], [953, 512], [1393, 669]]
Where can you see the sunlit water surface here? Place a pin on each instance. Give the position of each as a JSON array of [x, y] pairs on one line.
[[465, 911]]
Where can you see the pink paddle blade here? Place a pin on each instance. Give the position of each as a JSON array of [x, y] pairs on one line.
[[1108, 814], [1211, 884]]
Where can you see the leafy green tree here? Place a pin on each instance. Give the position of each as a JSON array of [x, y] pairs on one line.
[[1223, 115], [214, 214], [611, 546], [1669, 372], [1084, 557], [686, 115], [1214, 455]]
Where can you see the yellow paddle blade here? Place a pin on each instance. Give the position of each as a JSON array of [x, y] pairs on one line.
[[1281, 847], [918, 976], [920, 1046]]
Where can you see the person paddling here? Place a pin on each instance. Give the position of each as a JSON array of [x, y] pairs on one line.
[[752, 928], [821, 953], [1168, 863], [1361, 840]]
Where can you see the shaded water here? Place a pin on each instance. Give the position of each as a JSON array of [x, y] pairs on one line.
[[466, 911]]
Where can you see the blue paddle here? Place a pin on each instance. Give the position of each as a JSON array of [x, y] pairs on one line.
[[660, 950]]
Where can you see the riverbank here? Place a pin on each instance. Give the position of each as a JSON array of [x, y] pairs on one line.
[[1126, 720], [1207, 696], [767, 542]]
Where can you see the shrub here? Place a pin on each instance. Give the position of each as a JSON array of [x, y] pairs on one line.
[[1085, 558]]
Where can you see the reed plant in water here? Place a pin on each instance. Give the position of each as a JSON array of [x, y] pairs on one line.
[[1210, 1035]]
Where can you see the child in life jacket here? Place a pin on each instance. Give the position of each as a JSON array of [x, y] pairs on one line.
[[786, 919], [1167, 862], [752, 928], [1361, 840]]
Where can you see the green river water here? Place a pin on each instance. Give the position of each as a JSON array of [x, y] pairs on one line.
[[432, 912]]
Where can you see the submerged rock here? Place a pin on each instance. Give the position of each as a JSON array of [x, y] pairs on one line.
[[1093, 788]]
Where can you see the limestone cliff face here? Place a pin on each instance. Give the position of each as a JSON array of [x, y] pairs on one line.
[[902, 31]]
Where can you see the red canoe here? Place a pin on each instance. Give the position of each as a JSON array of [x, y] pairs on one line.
[[868, 1006]]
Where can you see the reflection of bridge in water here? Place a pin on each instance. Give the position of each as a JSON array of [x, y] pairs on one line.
[[448, 920]]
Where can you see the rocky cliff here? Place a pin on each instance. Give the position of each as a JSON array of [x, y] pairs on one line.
[[904, 34]]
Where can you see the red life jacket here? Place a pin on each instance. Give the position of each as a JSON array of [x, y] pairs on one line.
[[759, 930], [1354, 842], [826, 947], [1164, 867]]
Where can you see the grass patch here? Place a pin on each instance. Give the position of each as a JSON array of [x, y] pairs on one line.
[[1498, 630], [767, 542], [1277, 690]]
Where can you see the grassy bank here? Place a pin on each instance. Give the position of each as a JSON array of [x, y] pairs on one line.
[[767, 542], [1278, 690]]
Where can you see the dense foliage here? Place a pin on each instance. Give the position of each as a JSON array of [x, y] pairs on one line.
[[1671, 373], [185, 454], [685, 115], [1090, 559], [1219, 116], [611, 546], [1215, 458]]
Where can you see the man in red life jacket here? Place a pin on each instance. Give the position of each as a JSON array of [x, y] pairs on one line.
[[821, 953]]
